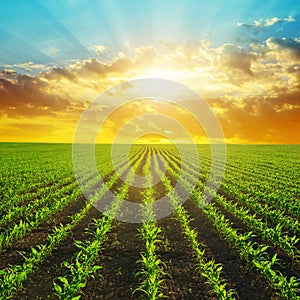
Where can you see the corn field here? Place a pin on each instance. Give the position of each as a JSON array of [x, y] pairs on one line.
[[244, 244]]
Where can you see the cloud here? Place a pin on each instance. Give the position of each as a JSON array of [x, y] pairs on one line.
[[52, 51], [145, 56], [29, 66], [24, 95], [65, 89], [59, 73], [260, 119], [118, 66], [265, 23], [8, 73], [99, 49], [235, 57], [290, 47]]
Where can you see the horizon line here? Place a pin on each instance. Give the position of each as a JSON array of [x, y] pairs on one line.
[[66, 143]]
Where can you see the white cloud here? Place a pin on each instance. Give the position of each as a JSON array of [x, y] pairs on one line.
[[99, 49], [262, 23], [29, 66]]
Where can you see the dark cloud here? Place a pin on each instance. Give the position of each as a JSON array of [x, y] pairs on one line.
[[235, 57], [29, 96], [58, 73], [8, 74]]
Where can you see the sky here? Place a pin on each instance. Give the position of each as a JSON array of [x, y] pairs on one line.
[[242, 57]]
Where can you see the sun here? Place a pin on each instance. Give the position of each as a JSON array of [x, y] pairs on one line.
[[161, 73]]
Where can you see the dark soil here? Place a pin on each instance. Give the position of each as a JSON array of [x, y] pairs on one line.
[[183, 282], [40, 283], [247, 284], [121, 253], [119, 260], [12, 255]]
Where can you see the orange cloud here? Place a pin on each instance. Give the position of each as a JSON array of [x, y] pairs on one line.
[[260, 120], [255, 92], [29, 96]]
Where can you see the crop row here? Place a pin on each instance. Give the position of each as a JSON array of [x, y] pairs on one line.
[[208, 268], [151, 271], [254, 253], [83, 265]]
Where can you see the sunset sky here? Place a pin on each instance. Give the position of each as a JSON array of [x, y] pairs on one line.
[[242, 57]]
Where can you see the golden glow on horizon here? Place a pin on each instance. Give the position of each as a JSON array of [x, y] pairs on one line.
[[156, 118], [152, 139]]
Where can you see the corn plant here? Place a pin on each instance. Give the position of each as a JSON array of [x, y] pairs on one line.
[[151, 272]]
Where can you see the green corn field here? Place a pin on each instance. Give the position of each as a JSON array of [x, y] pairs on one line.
[[243, 244]]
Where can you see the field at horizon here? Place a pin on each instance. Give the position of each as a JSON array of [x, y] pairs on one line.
[[243, 244]]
